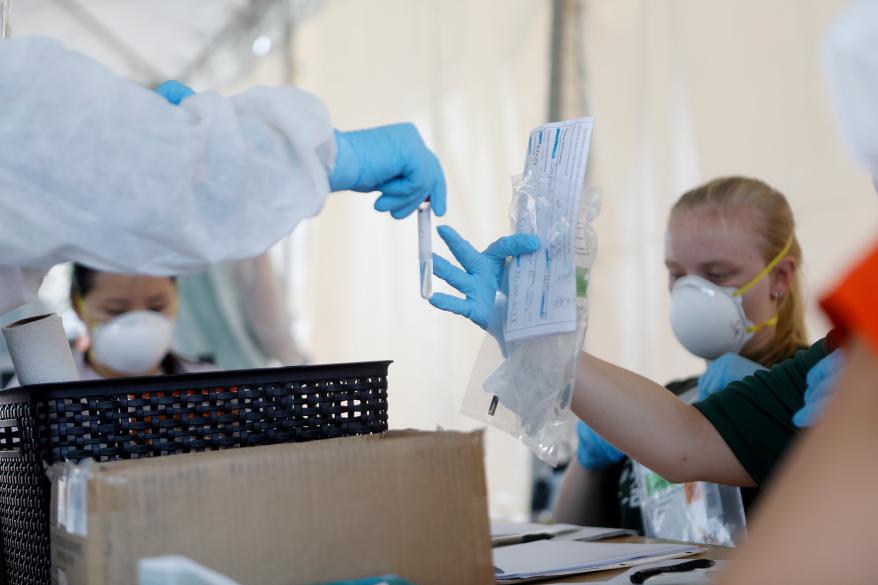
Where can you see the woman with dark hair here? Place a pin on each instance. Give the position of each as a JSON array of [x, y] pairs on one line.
[[130, 322]]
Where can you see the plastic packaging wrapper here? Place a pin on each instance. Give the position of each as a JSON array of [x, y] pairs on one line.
[[177, 570], [702, 512], [69, 504], [533, 379]]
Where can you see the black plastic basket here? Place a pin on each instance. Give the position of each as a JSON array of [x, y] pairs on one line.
[[130, 418]]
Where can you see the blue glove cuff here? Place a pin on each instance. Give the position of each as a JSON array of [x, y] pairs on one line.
[[345, 174], [594, 451], [174, 91]]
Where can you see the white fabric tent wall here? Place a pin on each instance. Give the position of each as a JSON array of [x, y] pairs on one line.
[[688, 90], [144, 40], [472, 76]]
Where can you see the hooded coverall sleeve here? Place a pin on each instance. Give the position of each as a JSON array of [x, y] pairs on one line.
[[102, 171]]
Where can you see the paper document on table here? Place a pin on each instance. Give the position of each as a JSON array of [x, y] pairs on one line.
[[504, 534], [542, 286], [549, 558], [500, 529]]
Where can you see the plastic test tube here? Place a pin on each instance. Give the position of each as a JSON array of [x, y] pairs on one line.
[[425, 248]]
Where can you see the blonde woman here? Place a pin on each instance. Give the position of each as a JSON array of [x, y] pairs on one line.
[[734, 436], [735, 233]]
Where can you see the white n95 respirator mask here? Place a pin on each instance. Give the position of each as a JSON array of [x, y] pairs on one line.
[[709, 320], [132, 343]]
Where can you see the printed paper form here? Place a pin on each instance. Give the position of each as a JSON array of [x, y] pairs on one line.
[[503, 533], [542, 286], [547, 558]]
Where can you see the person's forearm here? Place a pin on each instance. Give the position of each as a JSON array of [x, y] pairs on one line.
[[653, 426], [588, 497]]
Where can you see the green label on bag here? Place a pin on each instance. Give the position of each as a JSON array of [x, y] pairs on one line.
[[581, 282], [656, 483]]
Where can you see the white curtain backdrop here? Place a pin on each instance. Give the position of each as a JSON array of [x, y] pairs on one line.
[[473, 77], [685, 91]]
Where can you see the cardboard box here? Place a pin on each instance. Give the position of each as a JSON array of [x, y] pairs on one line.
[[406, 502]]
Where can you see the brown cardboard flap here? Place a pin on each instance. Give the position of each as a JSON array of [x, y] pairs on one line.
[[405, 502]]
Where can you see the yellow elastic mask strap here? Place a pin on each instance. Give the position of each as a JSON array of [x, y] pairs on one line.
[[770, 323], [768, 268], [79, 303]]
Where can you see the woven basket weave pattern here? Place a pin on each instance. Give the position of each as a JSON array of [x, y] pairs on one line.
[[140, 417]]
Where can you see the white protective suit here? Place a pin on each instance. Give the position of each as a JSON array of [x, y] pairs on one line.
[[100, 170], [850, 54]]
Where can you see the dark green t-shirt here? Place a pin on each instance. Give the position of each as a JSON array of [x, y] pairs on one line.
[[754, 416]]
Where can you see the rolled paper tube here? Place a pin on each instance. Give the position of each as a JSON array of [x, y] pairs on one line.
[[40, 351]]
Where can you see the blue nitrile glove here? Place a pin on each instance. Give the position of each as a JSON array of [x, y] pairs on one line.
[[393, 160], [174, 91], [727, 368], [594, 452], [821, 381], [481, 281]]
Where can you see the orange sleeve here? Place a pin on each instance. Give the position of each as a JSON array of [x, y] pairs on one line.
[[852, 305]]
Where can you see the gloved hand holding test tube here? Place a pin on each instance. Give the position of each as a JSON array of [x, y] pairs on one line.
[[425, 248]]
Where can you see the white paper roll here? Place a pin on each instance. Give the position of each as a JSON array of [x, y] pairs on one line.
[[39, 350]]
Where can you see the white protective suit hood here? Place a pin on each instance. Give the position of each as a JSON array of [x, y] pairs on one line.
[[850, 58]]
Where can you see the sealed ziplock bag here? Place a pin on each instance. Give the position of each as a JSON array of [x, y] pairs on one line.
[[698, 511], [523, 385]]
